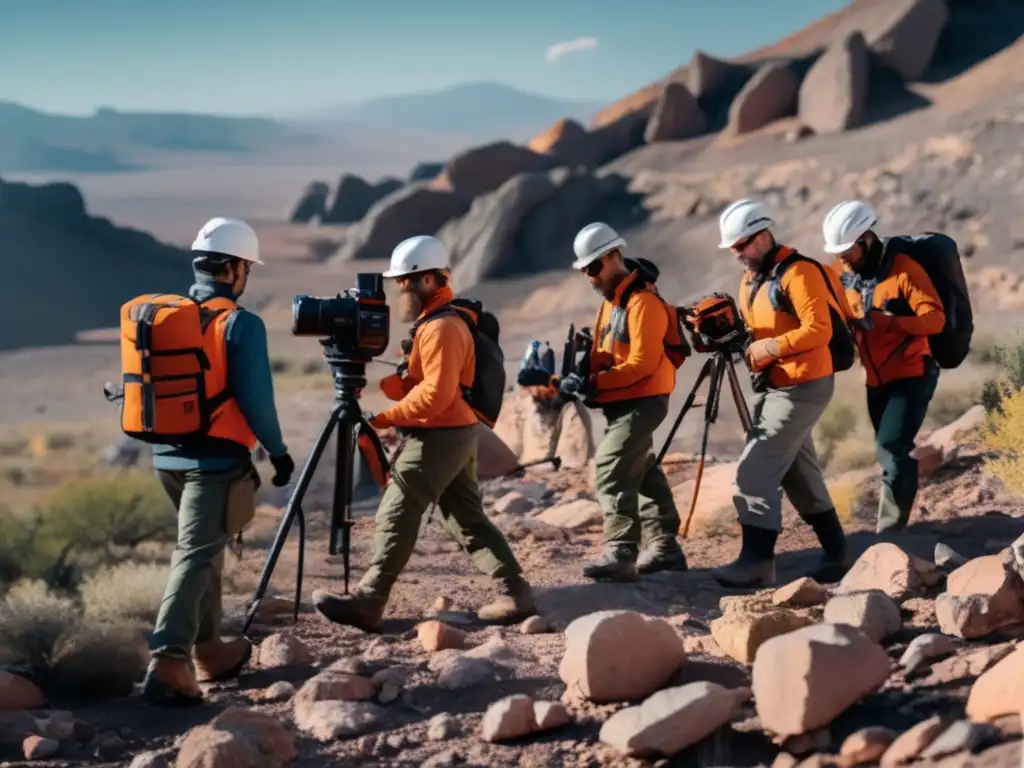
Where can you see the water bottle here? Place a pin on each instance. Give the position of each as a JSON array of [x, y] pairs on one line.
[[532, 357]]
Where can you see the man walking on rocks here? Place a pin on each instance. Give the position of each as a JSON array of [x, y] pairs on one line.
[[785, 303], [630, 379], [438, 460], [897, 307], [213, 482]]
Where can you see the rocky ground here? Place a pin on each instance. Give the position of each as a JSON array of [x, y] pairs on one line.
[[912, 654]]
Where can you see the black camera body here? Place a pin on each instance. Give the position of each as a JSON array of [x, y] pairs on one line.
[[355, 323], [715, 325]]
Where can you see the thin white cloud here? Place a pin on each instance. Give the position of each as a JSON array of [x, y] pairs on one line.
[[558, 50]]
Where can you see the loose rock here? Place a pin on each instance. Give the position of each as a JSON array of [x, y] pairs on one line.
[[873, 612], [803, 592], [741, 634], [437, 636], [283, 650]]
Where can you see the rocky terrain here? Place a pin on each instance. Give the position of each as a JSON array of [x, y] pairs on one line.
[[912, 656]]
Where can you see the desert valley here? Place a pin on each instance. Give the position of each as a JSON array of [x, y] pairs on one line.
[[916, 106]]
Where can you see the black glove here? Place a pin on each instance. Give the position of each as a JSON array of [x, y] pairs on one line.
[[573, 385], [533, 377], [283, 467], [898, 306]]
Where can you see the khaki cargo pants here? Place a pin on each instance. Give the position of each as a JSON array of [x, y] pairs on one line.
[[780, 456], [632, 488], [212, 508], [435, 465]]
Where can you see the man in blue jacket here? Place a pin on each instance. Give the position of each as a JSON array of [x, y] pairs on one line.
[[213, 486]]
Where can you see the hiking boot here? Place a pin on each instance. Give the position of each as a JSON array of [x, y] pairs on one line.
[[662, 555], [616, 563], [171, 682], [514, 605], [363, 609], [890, 517], [755, 566], [219, 659], [835, 561]]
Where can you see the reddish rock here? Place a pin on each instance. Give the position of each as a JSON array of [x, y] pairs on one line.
[[18, 693], [237, 738], [437, 636], [999, 691], [805, 591]]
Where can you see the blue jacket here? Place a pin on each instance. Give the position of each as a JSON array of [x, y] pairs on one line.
[[251, 381]]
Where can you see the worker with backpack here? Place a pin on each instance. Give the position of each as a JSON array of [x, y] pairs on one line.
[[913, 317], [452, 379], [794, 314], [197, 386], [638, 345]]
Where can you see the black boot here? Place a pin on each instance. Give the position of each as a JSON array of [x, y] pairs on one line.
[[755, 567], [835, 561], [616, 563], [662, 554]]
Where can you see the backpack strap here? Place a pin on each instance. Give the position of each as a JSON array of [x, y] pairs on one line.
[[209, 311], [453, 308]]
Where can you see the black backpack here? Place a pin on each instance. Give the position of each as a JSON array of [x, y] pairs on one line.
[[939, 256], [487, 392], [842, 346]]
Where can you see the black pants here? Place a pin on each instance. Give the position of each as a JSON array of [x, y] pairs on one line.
[[897, 411]]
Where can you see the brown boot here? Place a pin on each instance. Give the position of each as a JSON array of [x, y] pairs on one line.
[[363, 609], [171, 683], [514, 605], [220, 659]]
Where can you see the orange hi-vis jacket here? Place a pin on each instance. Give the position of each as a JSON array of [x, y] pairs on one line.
[[441, 363], [897, 351], [228, 422], [803, 334], [628, 360]]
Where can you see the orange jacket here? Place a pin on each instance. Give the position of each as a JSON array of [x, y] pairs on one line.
[[895, 348], [227, 421], [442, 361], [802, 334], [629, 359]]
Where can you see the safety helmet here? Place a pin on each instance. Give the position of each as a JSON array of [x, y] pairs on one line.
[[741, 220], [228, 237], [594, 241], [421, 253], [846, 223]]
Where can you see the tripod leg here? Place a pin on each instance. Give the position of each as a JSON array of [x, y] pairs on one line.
[[300, 516], [739, 400], [293, 509], [710, 413], [687, 405], [341, 517]]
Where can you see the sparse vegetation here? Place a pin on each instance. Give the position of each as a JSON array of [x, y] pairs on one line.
[[846, 495], [1003, 432], [1010, 376], [129, 592]]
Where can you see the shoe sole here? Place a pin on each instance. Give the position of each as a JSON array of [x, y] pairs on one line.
[[229, 674]]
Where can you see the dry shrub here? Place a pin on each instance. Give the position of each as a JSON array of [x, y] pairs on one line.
[[855, 452], [950, 403], [847, 496], [838, 422], [128, 592], [1003, 432], [44, 636]]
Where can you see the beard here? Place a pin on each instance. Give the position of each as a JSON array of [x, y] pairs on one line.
[[409, 307]]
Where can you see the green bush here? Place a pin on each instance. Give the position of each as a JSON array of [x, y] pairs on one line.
[[1010, 376]]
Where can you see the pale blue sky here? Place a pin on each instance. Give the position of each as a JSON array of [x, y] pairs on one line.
[[279, 57]]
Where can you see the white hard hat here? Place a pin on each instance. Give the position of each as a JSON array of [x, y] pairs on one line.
[[417, 254], [594, 241], [741, 220], [846, 223], [232, 237]]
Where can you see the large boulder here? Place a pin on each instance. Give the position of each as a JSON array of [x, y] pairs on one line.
[[528, 225], [312, 204], [770, 95], [415, 209], [569, 143], [707, 76], [677, 115], [623, 134], [355, 196], [906, 40], [484, 169], [425, 171], [833, 95]]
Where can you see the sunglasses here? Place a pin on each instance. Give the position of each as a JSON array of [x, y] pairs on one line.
[[743, 244], [594, 268]]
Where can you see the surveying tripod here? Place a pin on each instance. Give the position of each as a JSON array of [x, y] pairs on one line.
[[720, 365]]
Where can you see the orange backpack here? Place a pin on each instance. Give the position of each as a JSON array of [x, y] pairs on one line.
[[165, 366], [677, 348]]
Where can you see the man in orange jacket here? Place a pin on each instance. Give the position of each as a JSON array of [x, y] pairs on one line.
[[897, 308], [438, 460], [630, 379], [788, 318]]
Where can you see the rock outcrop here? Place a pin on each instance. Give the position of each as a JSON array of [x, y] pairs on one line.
[[354, 196], [483, 169], [313, 203], [833, 95], [676, 115], [770, 95], [905, 41]]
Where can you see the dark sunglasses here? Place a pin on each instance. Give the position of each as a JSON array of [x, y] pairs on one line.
[[743, 244], [593, 269]]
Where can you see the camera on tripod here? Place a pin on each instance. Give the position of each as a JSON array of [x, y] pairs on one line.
[[715, 325], [356, 322]]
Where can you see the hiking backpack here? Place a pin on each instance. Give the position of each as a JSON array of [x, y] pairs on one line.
[[677, 348], [487, 392], [939, 256], [164, 367], [841, 346]]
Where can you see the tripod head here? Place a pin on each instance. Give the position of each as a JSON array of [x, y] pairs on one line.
[[348, 370]]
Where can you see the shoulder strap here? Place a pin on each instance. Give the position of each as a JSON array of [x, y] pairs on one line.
[[211, 309], [797, 256]]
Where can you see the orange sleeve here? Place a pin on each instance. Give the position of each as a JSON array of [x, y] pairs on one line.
[[443, 347], [929, 317], [394, 387], [647, 320], [805, 286]]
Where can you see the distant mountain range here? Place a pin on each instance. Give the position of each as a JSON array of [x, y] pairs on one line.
[[110, 140], [485, 109]]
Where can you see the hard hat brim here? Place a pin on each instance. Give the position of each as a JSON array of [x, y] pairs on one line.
[[840, 248], [203, 245], [616, 244]]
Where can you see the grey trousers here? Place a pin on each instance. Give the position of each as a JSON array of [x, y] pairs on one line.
[[780, 457]]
